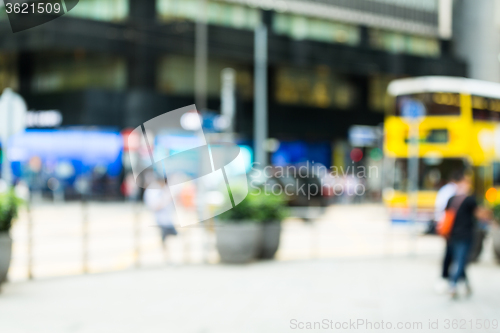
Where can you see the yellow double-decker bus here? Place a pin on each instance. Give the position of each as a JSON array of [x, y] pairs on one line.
[[459, 130]]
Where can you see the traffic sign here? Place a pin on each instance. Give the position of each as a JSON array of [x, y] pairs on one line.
[[364, 136], [412, 109]]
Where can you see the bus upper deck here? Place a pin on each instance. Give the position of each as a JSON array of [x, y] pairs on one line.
[[460, 129], [461, 120]]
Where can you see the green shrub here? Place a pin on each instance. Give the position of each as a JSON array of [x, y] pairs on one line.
[[258, 206], [9, 206], [270, 208]]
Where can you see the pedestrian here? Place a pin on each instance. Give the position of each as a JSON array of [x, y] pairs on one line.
[[129, 188], [462, 232], [159, 199], [443, 196]]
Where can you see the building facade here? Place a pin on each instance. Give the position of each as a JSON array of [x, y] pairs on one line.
[[121, 62]]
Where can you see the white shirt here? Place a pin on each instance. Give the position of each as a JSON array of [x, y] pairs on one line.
[[159, 200], [443, 196]]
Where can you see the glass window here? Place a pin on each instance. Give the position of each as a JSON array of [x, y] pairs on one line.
[[55, 73], [3, 13], [302, 27], [438, 136], [8, 72], [436, 104], [176, 76], [314, 87], [396, 42], [486, 115], [379, 99], [218, 13], [433, 172], [103, 10], [487, 109], [427, 5]]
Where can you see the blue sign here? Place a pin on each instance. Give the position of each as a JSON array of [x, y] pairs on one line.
[[363, 136], [412, 109]]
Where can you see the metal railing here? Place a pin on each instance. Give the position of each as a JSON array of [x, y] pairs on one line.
[[68, 239]]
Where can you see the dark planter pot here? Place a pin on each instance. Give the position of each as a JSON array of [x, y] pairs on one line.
[[495, 236], [270, 240], [477, 245], [238, 243], [5, 255]]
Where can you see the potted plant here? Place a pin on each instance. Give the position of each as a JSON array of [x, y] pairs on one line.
[[495, 232], [238, 232], [9, 204], [271, 210], [251, 229]]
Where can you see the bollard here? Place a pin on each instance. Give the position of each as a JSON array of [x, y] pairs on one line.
[[137, 234], [207, 225], [185, 241], [85, 222], [30, 240]]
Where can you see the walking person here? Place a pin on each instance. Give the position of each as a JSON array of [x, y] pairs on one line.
[[158, 198], [442, 198], [462, 232]]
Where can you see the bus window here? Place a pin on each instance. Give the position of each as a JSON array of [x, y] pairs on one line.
[[436, 104], [487, 109], [433, 173], [437, 136], [434, 136], [486, 115]]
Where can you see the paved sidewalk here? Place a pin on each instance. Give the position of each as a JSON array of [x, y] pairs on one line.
[[256, 298]]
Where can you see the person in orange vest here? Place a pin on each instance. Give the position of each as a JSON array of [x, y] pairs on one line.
[[462, 233]]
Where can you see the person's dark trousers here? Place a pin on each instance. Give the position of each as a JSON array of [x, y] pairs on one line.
[[167, 230], [448, 259], [460, 249]]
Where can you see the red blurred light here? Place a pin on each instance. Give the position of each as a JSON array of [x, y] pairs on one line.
[[356, 154]]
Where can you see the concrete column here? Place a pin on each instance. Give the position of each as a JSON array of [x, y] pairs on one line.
[[142, 10], [477, 37], [142, 63]]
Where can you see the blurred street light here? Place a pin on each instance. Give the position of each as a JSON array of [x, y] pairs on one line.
[[12, 121]]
